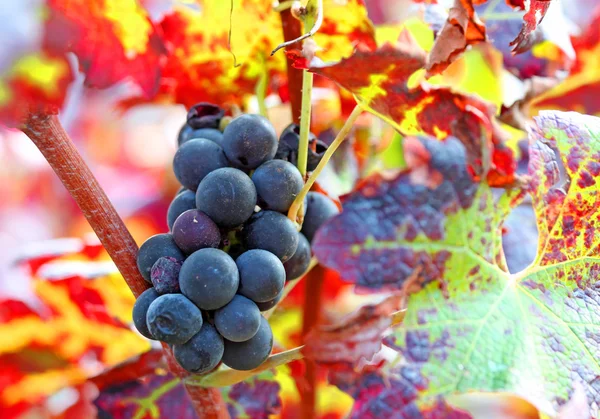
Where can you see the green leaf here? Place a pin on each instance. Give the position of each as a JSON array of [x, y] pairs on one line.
[[534, 333]]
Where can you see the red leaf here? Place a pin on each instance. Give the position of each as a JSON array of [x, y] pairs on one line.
[[355, 337], [112, 43], [256, 398], [534, 16], [132, 369], [462, 29], [379, 81]]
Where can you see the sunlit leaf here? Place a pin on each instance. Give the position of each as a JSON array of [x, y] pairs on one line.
[[464, 300], [381, 82], [36, 81], [114, 40]]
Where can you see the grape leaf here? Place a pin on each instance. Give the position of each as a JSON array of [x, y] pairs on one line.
[[465, 302], [355, 337], [256, 398], [461, 30], [379, 81], [378, 394], [113, 40], [155, 396], [533, 17]]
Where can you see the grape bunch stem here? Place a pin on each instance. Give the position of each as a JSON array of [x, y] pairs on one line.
[[341, 136]]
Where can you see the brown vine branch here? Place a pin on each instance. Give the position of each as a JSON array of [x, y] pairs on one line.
[[292, 29], [51, 139]]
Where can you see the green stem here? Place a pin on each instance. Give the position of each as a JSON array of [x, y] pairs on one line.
[[261, 88], [307, 81], [341, 136]]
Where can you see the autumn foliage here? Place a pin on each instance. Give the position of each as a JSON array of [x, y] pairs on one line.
[[476, 113]]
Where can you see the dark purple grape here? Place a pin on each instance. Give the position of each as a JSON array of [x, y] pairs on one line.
[[249, 141], [262, 275], [187, 133], [270, 304], [271, 231], [154, 248], [183, 201], [252, 353], [239, 320], [227, 196], [319, 209], [195, 159], [298, 264], [140, 310], [205, 115], [174, 319], [277, 185], [289, 141], [210, 278], [194, 230], [202, 353], [165, 275]]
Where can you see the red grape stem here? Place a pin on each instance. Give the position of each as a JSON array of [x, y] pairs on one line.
[[292, 29], [52, 140]]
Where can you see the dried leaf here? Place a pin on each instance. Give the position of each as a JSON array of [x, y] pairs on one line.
[[355, 337], [461, 30], [533, 17]]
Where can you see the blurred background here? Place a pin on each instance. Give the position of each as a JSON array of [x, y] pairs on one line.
[[64, 310]]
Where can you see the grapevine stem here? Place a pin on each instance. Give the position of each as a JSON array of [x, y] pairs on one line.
[[314, 25], [292, 29], [341, 136], [52, 140], [261, 88]]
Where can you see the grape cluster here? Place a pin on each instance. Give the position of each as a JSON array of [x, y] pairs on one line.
[[231, 247]]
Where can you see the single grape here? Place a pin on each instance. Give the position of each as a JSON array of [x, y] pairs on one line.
[[239, 320], [227, 196], [249, 140], [250, 354], [156, 247], [262, 275], [210, 278], [202, 353], [183, 201], [277, 185], [140, 309], [187, 133], [173, 319], [165, 275], [271, 231], [194, 230], [195, 159], [205, 115], [289, 141], [270, 304], [298, 264], [319, 209]]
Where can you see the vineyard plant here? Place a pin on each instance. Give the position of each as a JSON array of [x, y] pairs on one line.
[[312, 209]]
